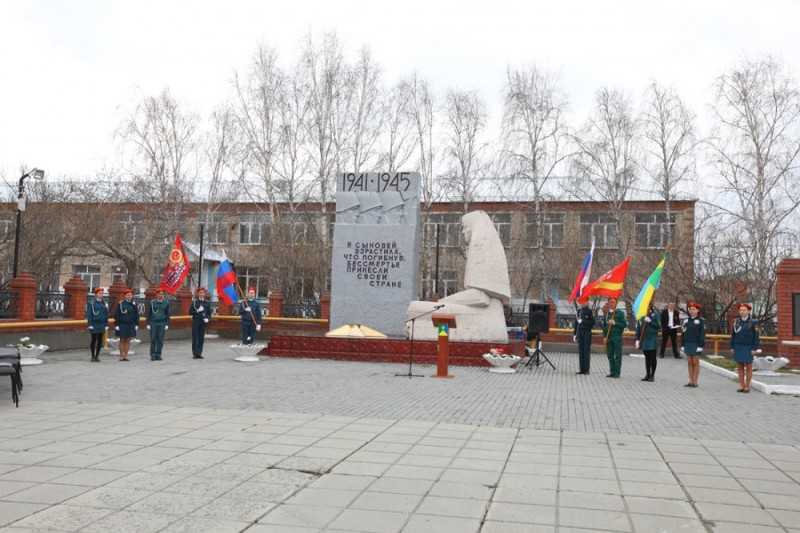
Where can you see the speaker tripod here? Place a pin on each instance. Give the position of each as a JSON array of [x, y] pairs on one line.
[[536, 355]]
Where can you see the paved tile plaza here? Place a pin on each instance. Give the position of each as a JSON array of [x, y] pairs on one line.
[[308, 446]]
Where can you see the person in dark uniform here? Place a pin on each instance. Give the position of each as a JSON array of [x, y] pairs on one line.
[[670, 324], [201, 315], [614, 325], [97, 318], [647, 338], [693, 341], [250, 313], [157, 323], [745, 343], [127, 317], [582, 335]]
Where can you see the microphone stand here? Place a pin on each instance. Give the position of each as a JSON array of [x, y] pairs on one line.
[[413, 320]]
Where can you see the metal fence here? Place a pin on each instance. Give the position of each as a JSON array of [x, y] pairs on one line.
[[308, 308], [50, 304]]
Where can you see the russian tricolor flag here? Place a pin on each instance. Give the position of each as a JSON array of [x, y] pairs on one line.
[[226, 283], [583, 276]]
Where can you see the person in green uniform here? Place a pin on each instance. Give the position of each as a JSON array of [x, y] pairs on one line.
[[127, 323], [614, 325], [582, 335], [97, 318], [745, 343], [157, 323], [647, 338], [693, 341]]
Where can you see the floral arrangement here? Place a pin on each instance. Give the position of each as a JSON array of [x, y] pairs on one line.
[[26, 344]]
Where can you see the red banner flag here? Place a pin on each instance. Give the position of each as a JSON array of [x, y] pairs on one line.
[[177, 268], [609, 284]]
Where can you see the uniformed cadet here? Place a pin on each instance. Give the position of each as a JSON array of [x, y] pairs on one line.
[[157, 323], [693, 341], [97, 318], [614, 324], [582, 335], [127, 317], [745, 343], [250, 313], [647, 338], [201, 315]]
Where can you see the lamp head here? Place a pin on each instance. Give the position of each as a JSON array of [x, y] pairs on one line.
[[37, 174]]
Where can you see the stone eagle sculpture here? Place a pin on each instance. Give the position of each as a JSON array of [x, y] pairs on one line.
[[479, 307]]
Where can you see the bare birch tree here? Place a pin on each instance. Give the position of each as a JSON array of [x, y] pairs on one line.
[[534, 143], [397, 142], [465, 127], [420, 107], [755, 148], [607, 151], [669, 144]]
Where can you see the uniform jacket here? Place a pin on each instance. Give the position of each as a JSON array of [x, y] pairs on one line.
[[694, 332], [619, 324], [127, 317], [97, 315], [649, 339], [586, 318], [255, 311], [197, 314], [158, 312], [745, 333]]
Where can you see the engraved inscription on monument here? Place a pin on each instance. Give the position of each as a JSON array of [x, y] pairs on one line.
[[375, 250]]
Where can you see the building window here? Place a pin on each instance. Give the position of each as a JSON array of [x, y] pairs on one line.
[[216, 230], [254, 228], [502, 222], [88, 273], [253, 278], [553, 230], [448, 284], [651, 229], [450, 235], [131, 225], [600, 226], [120, 274], [6, 229], [296, 228]]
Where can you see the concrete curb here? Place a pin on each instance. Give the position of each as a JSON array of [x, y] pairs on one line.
[[757, 385]]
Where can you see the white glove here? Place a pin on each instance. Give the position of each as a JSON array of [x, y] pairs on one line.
[[648, 319], [247, 309], [166, 328], [201, 309], [148, 326], [136, 328], [205, 320], [574, 339], [116, 328], [699, 349], [580, 321], [258, 327], [637, 345], [90, 328], [758, 350], [106, 328]]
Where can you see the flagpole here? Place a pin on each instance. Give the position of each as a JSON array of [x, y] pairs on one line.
[[200, 261]]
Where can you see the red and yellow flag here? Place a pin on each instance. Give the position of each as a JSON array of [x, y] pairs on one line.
[[177, 268], [609, 284]]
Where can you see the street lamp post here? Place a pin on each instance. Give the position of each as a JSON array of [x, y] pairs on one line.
[[37, 174]]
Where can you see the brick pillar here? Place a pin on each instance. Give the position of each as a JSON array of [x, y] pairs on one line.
[[117, 293], [276, 303], [551, 316], [184, 296], [24, 289], [788, 284], [76, 291], [325, 306]]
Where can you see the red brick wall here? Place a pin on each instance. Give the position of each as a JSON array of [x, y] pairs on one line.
[[788, 283]]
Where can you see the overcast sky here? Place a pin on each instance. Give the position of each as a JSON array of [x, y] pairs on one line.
[[72, 69]]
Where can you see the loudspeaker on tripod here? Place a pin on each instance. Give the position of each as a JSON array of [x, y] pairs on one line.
[[538, 319]]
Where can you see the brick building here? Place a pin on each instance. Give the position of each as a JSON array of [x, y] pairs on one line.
[[287, 249]]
